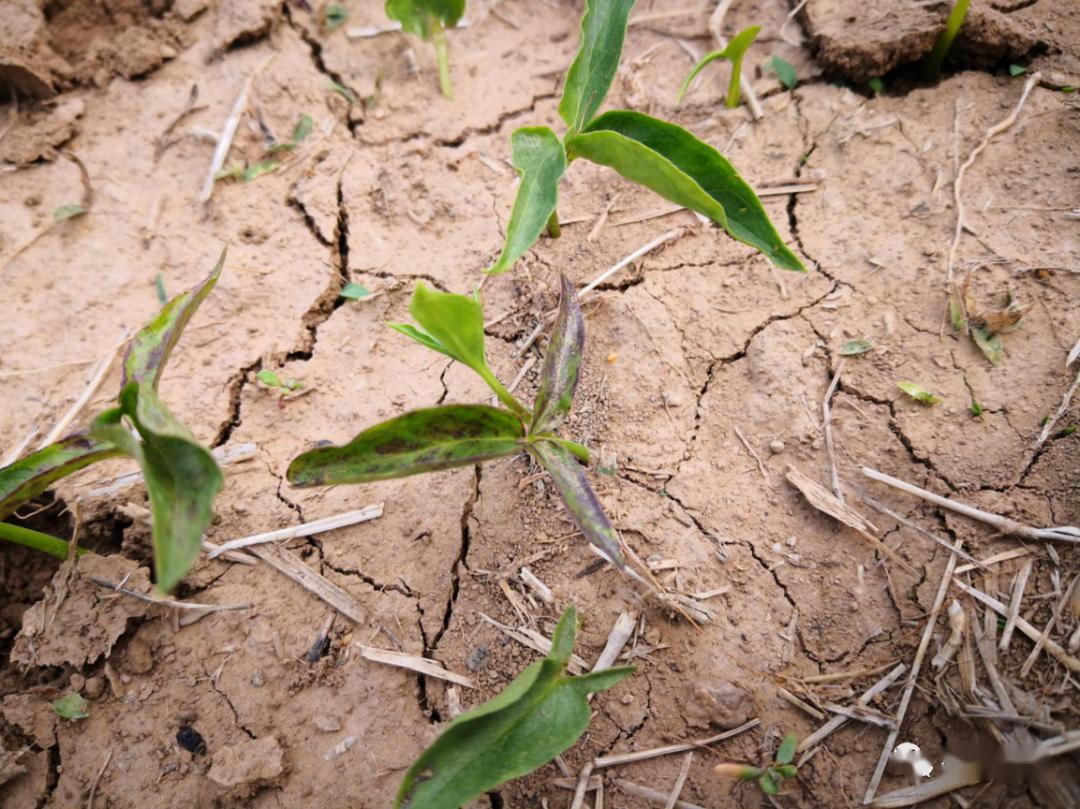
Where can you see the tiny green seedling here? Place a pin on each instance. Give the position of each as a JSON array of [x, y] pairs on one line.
[[651, 152], [1017, 70], [770, 777], [272, 380], [354, 291], [784, 71], [918, 393], [429, 19], [932, 68], [247, 173], [182, 478], [539, 715], [448, 436], [65, 212], [71, 706], [344, 92], [333, 17], [976, 409], [876, 85], [734, 53], [855, 347]]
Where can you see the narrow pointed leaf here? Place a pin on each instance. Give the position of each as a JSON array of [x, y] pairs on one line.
[[603, 29], [182, 480], [420, 17], [541, 161], [454, 325], [29, 538], [580, 499], [559, 378], [150, 348], [734, 52], [28, 477], [681, 168], [537, 717], [418, 441]]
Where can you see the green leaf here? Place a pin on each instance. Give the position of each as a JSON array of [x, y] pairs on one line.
[[541, 161], [303, 129], [581, 501], [734, 52], [786, 753], [784, 71], [343, 91], [956, 314], [932, 67], [681, 168], [333, 17], [418, 441], [233, 172], [559, 378], [150, 348], [787, 770], [68, 212], [989, 344], [540, 714], [767, 783], [1017, 70], [159, 287], [918, 393], [877, 86], [422, 17], [71, 706], [603, 28], [28, 477], [259, 169], [454, 325], [574, 448], [853, 347], [976, 409], [182, 478], [354, 291], [272, 380], [29, 538]]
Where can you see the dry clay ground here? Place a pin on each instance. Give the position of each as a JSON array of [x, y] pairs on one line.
[[694, 341]]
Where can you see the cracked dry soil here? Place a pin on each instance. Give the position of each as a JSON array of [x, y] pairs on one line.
[[687, 344]]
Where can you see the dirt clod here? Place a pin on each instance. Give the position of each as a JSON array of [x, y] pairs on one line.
[[722, 704], [248, 762]]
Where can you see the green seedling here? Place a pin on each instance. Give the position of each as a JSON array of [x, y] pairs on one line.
[[918, 393], [300, 132], [784, 71], [854, 347], [344, 92], [877, 86], [466, 434], [71, 706], [932, 68], [159, 288], [272, 380], [182, 478], [238, 171], [771, 776], [429, 19], [645, 150], [1065, 433], [540, 714], [1017, 70], [734, 53], [976, 409], [354, 291], [333, 17], [68, 212]]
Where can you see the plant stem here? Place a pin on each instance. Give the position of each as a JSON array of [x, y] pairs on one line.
[[505, 396], [553, 229], [733, 85], [442, 56], [945, 39], [36, 540]]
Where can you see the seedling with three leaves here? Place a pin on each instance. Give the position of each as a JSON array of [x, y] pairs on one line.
[[651, 152], [455, 435], [771, 776], [539, 715], [182, 478]]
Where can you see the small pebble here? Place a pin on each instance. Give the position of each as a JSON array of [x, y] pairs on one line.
[[257, 678], [326, 724], [777, 446], [611, 358]]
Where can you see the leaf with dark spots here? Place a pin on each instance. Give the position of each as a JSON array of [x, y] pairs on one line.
[[150, 348], [581, 501], [28, 477], [559, 378], [603, 29], [414, 442], [540, 714]]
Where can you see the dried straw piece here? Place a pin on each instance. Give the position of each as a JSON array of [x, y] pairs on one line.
[[642, 755], [421, 665]]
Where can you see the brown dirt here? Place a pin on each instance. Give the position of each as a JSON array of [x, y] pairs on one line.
[[693, 341]]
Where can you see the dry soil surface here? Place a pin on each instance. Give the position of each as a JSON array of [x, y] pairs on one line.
[[704, 377]]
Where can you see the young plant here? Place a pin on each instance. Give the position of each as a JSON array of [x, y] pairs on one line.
[[769, 777], [734, 53], [540, 714], [645, 150], [429, 19], [182, 478], [945, 39], [466, 434]]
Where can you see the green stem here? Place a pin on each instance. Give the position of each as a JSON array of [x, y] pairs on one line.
[[505, 396], [733, 85], [553, 229], [36, 540], [442, 56], [945, 40]]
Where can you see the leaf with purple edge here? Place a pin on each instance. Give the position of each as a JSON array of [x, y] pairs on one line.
[[559, 378], [28, 477]]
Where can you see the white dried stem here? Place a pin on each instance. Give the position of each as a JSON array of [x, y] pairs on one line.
[[1019, 586], [303, 530], [421, 665]]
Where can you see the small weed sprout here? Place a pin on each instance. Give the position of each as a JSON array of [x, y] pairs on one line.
[[540, 714], [182, 478], [429, 19], [71, 706], [936, 59], [734, 53], [272, 380], [771, 776], [654, 153], [784, 71], [454, 435]]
